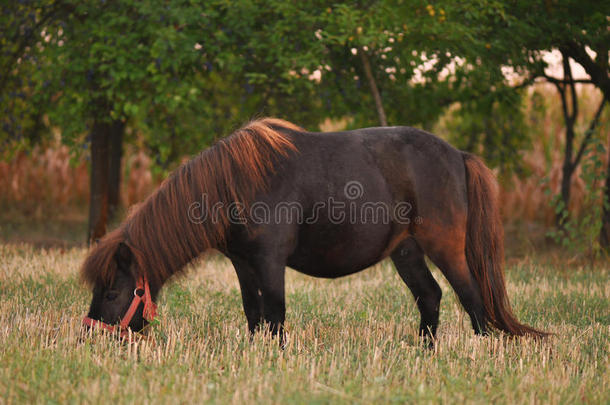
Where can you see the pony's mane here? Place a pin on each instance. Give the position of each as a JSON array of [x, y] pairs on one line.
[[162, 236]]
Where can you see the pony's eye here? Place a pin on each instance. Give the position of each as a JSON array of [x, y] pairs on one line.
[[111, 295]]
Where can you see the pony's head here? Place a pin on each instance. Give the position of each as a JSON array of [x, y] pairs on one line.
[[121, 296]]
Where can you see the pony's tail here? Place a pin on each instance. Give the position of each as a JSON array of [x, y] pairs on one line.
[[485, 248]]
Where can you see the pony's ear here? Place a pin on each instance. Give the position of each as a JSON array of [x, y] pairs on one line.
[[123, 256]]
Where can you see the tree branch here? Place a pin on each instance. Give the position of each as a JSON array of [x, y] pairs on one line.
[[564, 102], [589, 133], [563, 81], [567, 70], [526, 82], [373, 85], [599, 75]]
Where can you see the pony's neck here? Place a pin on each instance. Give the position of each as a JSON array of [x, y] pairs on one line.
[[166, 233], [178, 222]]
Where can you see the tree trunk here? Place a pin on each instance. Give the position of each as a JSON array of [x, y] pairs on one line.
[[566, 183], [98, 205], [604, 235], [597, 69], [373, 85], [114, 165], [569, 116], [567, 170]]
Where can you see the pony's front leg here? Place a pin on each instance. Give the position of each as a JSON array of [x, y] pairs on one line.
[[251, 294], [272, 276], [262, 291]]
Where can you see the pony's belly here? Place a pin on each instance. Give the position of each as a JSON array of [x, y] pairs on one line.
[[335, 254], [322, 271]]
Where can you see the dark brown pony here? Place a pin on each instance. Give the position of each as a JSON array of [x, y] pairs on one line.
[[325, 204]]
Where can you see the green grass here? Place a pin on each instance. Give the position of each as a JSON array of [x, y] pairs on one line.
[[349, 340]]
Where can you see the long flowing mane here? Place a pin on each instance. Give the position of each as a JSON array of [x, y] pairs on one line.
[[160, 233]]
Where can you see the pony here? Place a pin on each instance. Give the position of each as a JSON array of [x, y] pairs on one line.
[[273, 195]]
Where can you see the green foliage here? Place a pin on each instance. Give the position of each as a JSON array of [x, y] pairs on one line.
[[183, 73], [119, 61], [574, 27], [494, 127], [23, 23], [421, 63]]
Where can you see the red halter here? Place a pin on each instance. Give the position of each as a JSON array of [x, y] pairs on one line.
[[149, 313]]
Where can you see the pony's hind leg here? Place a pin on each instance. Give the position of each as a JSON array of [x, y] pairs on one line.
[[411, 266], [446, 249]]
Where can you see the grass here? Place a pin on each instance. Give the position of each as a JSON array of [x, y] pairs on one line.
[[61, 231], [350, 340]]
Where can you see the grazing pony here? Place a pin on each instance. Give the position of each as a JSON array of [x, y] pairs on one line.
[[273, 195]]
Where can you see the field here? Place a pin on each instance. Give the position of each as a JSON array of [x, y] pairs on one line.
[[350, 340]]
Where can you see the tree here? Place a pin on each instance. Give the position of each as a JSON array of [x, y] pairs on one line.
[[566, 88], [101, 80], [579, 30], [183, 72], [164, 75], [23, 24], [376, 63]]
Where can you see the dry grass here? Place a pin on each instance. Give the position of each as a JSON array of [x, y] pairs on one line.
[[44, 182], [524, 197], [350, 340]]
